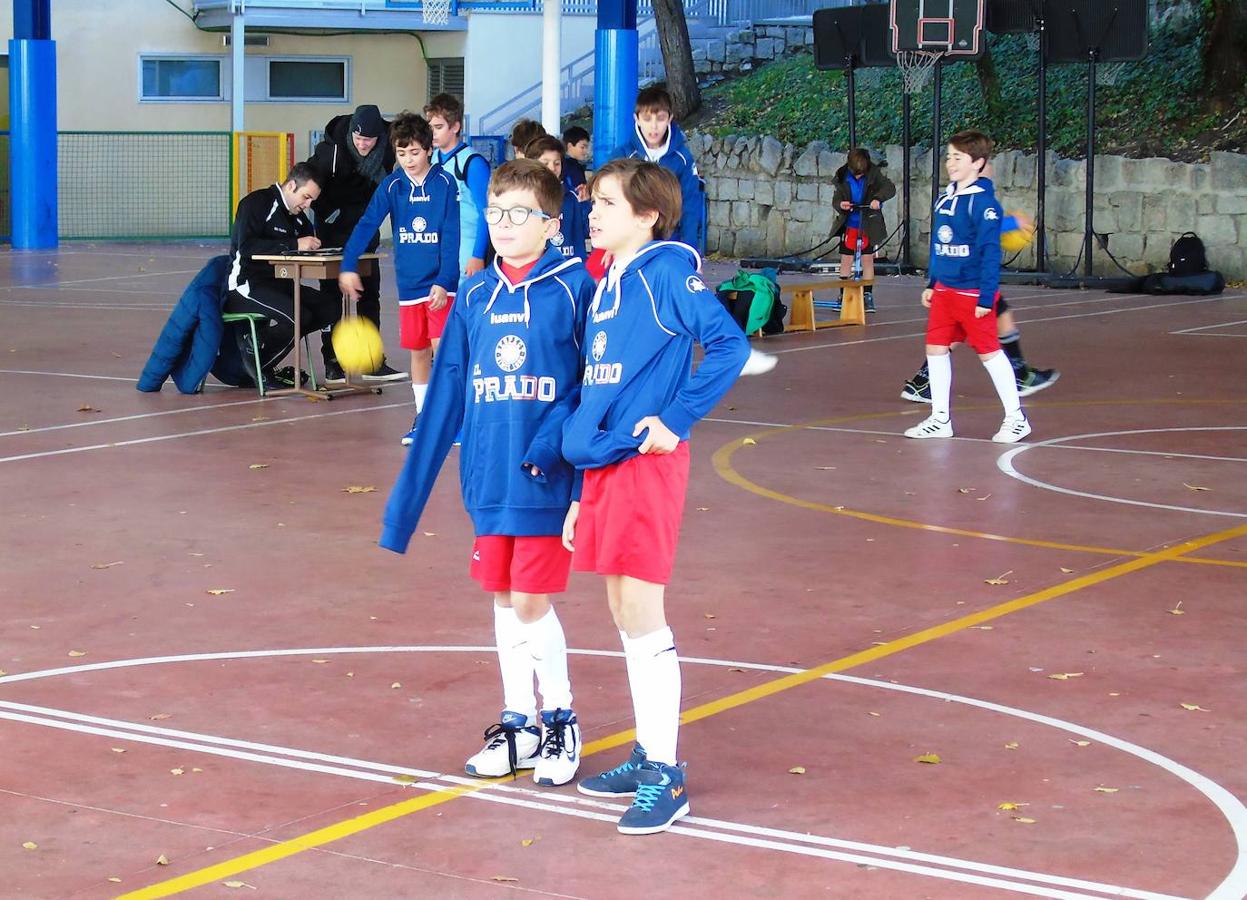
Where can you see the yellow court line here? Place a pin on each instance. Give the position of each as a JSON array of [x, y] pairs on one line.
[[758, 692], [276, 852]]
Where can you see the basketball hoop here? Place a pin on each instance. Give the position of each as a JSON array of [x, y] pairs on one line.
[[916, 67], [435, 12], [1107, 74]]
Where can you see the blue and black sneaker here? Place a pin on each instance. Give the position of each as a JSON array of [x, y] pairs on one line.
[[660, 799], [619, 781]]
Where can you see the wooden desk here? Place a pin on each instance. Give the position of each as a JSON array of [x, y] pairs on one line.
[[296, 268], [852, 309]]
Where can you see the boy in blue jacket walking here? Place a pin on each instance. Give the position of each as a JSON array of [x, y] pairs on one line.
[[508, 371], [574, 216], [659, 139], [629, 435], [963, 280], [422, 202]]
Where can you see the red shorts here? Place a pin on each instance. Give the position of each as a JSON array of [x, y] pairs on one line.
[[418, 324], [849, 240], [534, 565], [952, 320], [630, 516]]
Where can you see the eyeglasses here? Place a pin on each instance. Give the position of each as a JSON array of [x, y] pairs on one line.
[[517, 214]]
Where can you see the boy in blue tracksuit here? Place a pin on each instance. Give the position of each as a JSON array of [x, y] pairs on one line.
[[658, 139], [422, 203], [573, 233], [629, 435], [963, 281], [508, 371]]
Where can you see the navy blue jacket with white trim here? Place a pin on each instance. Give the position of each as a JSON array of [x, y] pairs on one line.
[[965, 240], [676, 156], [573, 233], [425, 220], [646, 316], [508, 371]]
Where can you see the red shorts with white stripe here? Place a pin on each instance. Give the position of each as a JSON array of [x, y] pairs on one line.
[[419, 324], [533, 565], [952, 320], [630, 516]]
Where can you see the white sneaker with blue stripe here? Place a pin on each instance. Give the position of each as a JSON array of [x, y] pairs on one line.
[[510, 745]]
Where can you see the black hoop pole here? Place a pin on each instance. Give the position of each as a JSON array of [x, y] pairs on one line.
[[1041, 156], [936, 149], [852, 90], [906, 262], [1088, 229]]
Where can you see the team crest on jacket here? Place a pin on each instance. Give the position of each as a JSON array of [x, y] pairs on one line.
[[695, 284], [418, 224], [510, 353], [990, 214], [599, 345], [944, 234], [557, 240]]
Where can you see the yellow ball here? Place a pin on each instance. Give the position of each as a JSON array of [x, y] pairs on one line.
[[1017, 239], [357, 345]]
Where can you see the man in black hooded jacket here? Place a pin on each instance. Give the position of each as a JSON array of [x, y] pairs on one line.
[[354, 157]]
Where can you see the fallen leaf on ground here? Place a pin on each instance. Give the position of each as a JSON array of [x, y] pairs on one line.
[[983, 627], [1067, 571], [177, 771], [528, 842], [397, 684], [1080, 743], [1194, 707], [105, 565], [239, 884], [930, 759], [196, 769], [320, 662], [30, 845], [77, 653], [114, 879], [735, 669], [708, 615], [825, 468], [358, 489], [1065, 676], [259, 418], [217, 592], [703, 509], [748, 441], [797, 770], [1195, 487], [1106, 790], [1012, 745], [87, 407], [875, 714], [1177, 610], [162, 860], [405, 779], [1011, 805], [984, 497], [1024, 820], [999, 579], [258, 466], [118, 749], [504, 878], [965, 490], [159, 717]]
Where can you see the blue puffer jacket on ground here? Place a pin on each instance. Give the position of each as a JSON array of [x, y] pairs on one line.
[[189, 343]]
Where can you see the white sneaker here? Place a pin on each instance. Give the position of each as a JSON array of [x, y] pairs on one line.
[[1012, 429], [758, 363], [559, 756], [931, 427], [510, 745]]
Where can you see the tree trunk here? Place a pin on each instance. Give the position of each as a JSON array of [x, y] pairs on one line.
[[677, 57], [1225, 53], [989, 82]]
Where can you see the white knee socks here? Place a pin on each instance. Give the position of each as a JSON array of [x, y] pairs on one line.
[[1004, 380], [547, 648], [940, 377], [654, 677], [515, 662]]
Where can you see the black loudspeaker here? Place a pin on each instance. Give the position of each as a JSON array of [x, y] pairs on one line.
[[1012, 16], [838, 37], [1115, 29]]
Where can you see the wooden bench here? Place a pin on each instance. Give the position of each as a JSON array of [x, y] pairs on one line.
[[801, 308]]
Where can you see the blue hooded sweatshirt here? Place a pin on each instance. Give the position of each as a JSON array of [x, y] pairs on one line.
[[965, 240], [425, 219], [676, 156], [646, 316], [508, 370], [573, 233]]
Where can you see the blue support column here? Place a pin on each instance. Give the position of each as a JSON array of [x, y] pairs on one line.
[[614, 79], [32, 129]]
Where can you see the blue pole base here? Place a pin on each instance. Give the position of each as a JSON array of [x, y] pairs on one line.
[[32, 143]]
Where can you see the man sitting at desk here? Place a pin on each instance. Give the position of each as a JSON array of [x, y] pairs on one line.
[[271, 222]]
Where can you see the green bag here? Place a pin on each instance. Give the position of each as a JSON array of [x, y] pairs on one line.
[[761, 292]]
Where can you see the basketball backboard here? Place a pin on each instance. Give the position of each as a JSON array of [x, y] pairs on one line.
[[1115, 29], [951, 27]]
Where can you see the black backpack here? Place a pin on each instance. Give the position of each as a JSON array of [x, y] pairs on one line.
[[1186, 256]]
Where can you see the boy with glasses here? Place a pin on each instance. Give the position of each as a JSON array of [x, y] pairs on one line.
[[509, 372]]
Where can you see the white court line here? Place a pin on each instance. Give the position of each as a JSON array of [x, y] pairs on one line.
[[178, 739], [1028, 321], [151, 415], [65, 375], [1005, 464], [1210, 327], [202, 431], [53, 284], [110, 308]]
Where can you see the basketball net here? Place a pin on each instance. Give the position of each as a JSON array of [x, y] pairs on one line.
[[1106, 74], [917, 67], [435, 12]]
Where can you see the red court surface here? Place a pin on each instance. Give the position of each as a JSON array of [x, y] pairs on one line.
[[215, 682]]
